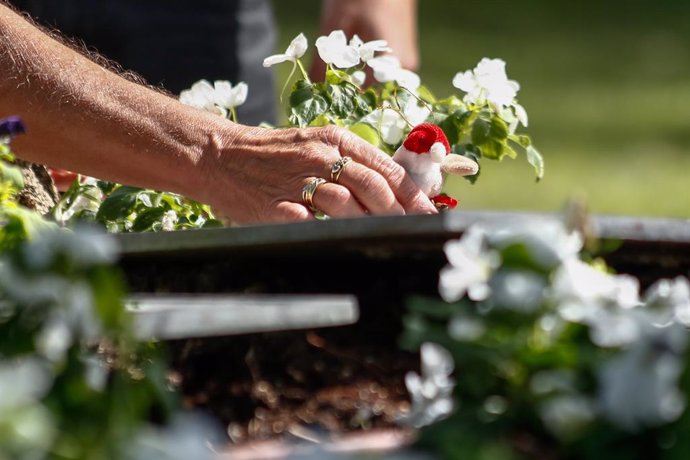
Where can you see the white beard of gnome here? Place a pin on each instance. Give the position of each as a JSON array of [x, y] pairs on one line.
[[425, 155]]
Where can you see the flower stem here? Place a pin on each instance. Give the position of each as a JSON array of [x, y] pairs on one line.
[[304, 72]]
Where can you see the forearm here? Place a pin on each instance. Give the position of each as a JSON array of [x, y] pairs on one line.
[[85, 118]]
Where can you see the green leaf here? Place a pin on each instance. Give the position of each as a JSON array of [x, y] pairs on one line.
[[481, 131], [473, 153], [335, 76], [119, 204], [455, 125], [342, 99], [522, 139], [306, 103], [425, 94], [491, 136], [499, 128], [321, 120], [536, 160], [366, 132], [146, 219]]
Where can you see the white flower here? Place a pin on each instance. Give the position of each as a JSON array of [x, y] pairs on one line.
[[431, 393], [548, 241], [415, 112], [639, 387], [200, 96], [88, 200], [298, 46], [394, 126], [366, 50], [390, 124], [576, 282], [470, 267], [388, 68], [359, 77], [488, 82], [169, 221], [669, 300], [229, 97], [217, 98], [606, 303], [333, 49]]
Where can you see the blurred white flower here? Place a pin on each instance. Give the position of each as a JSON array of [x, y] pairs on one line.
[[298, 46], [639, 387], [518, 290], [169, 221], [431, 393], [55, 338], [564, 415], [466, 328], [487, 82], [388, 68], [23, 381], [577, 283], [470, 266], [217, 98], [86, 246], [548, 241], [334, 50], [668, 301], [606, 303], [366, 50]]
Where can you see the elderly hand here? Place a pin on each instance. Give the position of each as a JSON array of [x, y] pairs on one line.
[[265, 170]]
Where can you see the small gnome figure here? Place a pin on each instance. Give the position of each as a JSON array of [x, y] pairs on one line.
[[425, 155]]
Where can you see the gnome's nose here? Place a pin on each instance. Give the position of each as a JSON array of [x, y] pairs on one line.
[[438, 152]]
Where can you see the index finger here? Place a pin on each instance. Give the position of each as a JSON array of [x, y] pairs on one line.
[[406, 191]]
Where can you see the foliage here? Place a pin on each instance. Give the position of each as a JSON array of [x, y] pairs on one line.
[[555, 357], [122, 208], [73, 382]]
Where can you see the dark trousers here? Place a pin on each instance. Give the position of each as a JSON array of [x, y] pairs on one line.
[[173, 43]]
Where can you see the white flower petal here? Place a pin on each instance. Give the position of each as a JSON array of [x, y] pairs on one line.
[[359, 77], [276, 59], [298, 46]]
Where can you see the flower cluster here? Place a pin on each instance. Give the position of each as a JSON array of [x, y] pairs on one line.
[[482, 124], [431, 393], [535, 323]]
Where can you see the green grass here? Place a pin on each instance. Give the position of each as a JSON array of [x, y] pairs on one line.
[[606, 84]]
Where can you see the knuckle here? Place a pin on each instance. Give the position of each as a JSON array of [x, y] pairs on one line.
[[341, 194]]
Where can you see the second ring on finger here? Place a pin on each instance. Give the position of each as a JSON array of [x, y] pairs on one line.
[[338, 167]]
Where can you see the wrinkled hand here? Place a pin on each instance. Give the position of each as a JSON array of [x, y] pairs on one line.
[[265, 170]]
